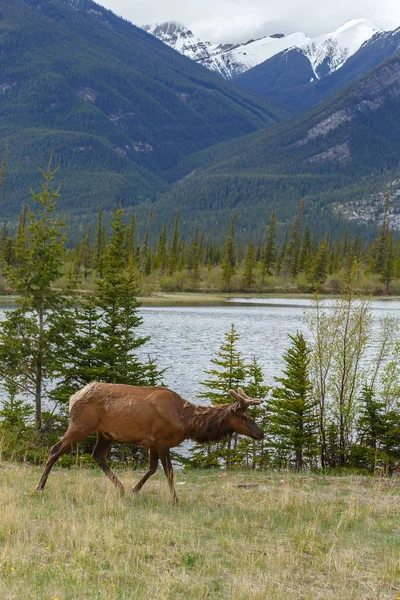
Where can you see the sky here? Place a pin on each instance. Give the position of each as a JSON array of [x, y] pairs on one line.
[[240, 20]]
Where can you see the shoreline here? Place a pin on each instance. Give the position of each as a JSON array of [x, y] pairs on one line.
[[211, 299], [224, 299]]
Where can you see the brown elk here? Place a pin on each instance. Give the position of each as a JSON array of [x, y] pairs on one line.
[[152, 417]]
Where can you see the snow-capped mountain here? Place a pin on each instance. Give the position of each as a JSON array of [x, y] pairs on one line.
[[329, 51], [297, 77], [325, 53], [228, 60]]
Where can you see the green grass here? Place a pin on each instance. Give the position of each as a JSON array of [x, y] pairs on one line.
[[292, 537]]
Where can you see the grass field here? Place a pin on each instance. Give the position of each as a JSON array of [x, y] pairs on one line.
[[292, 537]]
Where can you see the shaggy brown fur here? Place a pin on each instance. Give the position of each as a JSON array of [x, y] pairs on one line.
[[152, 417], [207, 424]]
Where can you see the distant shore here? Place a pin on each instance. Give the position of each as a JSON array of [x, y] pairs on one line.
[[215, 299], [206, 299]]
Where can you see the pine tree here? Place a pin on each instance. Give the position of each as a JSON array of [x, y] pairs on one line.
[[86, 255], [320, 265], [282, 254], [291, 259], [228, 372], [306, 254], [174, 248], [105, 345], [32, 337], [193, 259], [161, 259], [378, 430], [293, 414], [249, 267], [270, 251], [131, 243], [249, 452], [229, 259], [381, 242], [145, 264], [100, 244], [389, 266]]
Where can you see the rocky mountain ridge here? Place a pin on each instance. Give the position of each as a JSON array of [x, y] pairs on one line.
[[324, 54]]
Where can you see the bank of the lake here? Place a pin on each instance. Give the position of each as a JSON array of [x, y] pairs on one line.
[[215, 299]]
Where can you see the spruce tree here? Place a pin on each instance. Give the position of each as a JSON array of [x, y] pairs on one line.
[[100, 244], [250, 453], [161, 259], [229, 259], [389, 266], [173, 257], [292, 408], [105, 345], [306, 254], [193, 259], [291, 259], [319, 270], [382, 239], [131, 242], [379, 433], [270, 251], [144, 250], [32, 337], [86, 255], [228, 372], [249, 267]]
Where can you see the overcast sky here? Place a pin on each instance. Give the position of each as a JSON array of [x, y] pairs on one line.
[[240, 20]]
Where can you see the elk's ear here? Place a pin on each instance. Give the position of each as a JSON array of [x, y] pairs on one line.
[[235, 407]]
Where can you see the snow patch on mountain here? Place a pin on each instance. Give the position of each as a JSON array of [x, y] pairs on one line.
[[227, 59], [326, 53], [257, 51], [329, 52]]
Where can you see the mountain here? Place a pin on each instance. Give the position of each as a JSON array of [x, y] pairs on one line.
[[316, 57], [229, 60], [116, 105], [337, 154], [288, 78], [329, 52]]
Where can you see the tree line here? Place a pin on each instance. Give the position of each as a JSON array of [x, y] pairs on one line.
[[290, 260]]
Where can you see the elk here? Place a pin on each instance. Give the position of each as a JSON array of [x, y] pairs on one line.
[[152, 417]]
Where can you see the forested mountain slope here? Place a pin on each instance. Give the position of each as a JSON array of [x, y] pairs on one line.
[[345, 148], [117, 106]]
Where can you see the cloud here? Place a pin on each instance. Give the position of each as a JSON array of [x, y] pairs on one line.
[[239, 20]]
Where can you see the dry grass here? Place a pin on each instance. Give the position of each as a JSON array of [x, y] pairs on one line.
[[306, 538]]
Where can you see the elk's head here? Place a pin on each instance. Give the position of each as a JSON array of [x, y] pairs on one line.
[[239, 420]]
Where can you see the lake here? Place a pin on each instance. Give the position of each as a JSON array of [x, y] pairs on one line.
[[186, 338]]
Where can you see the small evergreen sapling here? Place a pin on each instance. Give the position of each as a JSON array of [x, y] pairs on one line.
[[292, 408], [228, 372]]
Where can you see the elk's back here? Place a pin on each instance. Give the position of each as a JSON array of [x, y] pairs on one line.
[[146, 416]]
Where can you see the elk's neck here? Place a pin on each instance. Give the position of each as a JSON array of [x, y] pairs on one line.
[[206, 423]]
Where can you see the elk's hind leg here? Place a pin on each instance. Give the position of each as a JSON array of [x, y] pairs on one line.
[[152, 468], [169, 473], [62, 447], [100, 452]]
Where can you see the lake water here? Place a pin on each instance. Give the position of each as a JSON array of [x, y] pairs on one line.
[[184, 339]]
